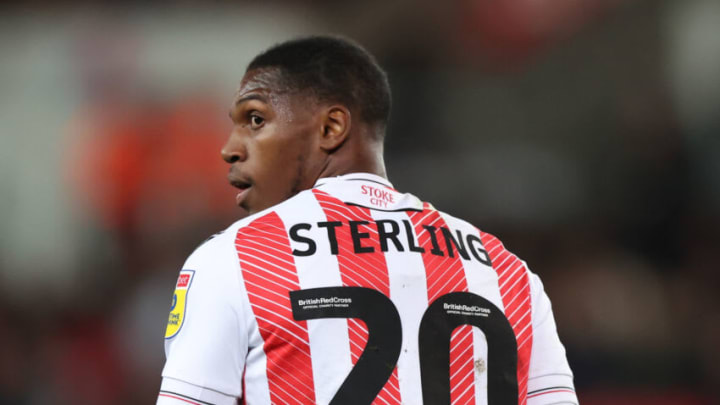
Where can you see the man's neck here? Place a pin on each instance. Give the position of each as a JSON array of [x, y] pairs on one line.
[[362, 152], [376, 167]]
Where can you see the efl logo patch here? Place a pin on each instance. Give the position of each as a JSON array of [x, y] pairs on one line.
[[177, 307]]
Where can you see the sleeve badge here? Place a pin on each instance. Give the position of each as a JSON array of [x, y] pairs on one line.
[[177, 306]]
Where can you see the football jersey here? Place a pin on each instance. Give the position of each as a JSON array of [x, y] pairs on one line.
[[354, 293]]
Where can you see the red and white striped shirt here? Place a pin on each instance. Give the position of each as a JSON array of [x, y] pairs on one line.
[[353, 292]]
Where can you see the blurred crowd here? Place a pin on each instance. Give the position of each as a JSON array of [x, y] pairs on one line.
[[584, 134]]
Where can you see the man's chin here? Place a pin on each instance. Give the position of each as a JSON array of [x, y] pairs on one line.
[[243, 213], [251, 207]]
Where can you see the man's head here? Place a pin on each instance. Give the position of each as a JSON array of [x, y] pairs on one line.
[[305, 109]]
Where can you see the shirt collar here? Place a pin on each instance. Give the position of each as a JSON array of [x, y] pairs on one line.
[[354, 177], [369, 191]]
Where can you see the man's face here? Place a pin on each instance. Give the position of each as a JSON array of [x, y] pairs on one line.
[[272, 148]]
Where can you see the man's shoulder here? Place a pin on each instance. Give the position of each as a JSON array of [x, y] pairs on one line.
[[301, 202], [210, 251], [454, 221], [494, 246], [248, 224], [457, 222]]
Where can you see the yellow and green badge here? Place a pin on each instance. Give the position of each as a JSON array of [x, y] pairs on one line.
[[179, 299]]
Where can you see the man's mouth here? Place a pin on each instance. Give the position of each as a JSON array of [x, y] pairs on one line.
[[244, 187]]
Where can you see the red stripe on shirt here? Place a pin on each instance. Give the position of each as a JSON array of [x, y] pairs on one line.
[[269, 273], [446, 274], [515, 292], [362, 270]]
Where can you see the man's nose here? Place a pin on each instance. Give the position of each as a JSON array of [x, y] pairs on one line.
[[234, 150]]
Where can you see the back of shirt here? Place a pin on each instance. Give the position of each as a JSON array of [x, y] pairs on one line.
[[353, 292]]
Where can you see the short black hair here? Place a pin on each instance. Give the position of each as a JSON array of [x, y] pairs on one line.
[[334, 69]]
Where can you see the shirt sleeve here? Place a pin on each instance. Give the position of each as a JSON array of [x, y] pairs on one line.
[[176, 392], [205, 342], [550, 379]]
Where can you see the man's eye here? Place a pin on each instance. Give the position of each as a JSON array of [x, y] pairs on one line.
[[256, 121]]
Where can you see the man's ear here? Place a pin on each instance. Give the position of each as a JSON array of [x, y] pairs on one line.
[[336, 123]]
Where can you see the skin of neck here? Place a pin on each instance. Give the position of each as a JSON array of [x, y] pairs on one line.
[[361, 151]]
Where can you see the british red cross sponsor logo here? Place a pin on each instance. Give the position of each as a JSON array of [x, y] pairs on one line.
[[378, 196], [183, 280]]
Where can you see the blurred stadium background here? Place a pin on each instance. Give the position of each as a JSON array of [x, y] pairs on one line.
[[584, 133]]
